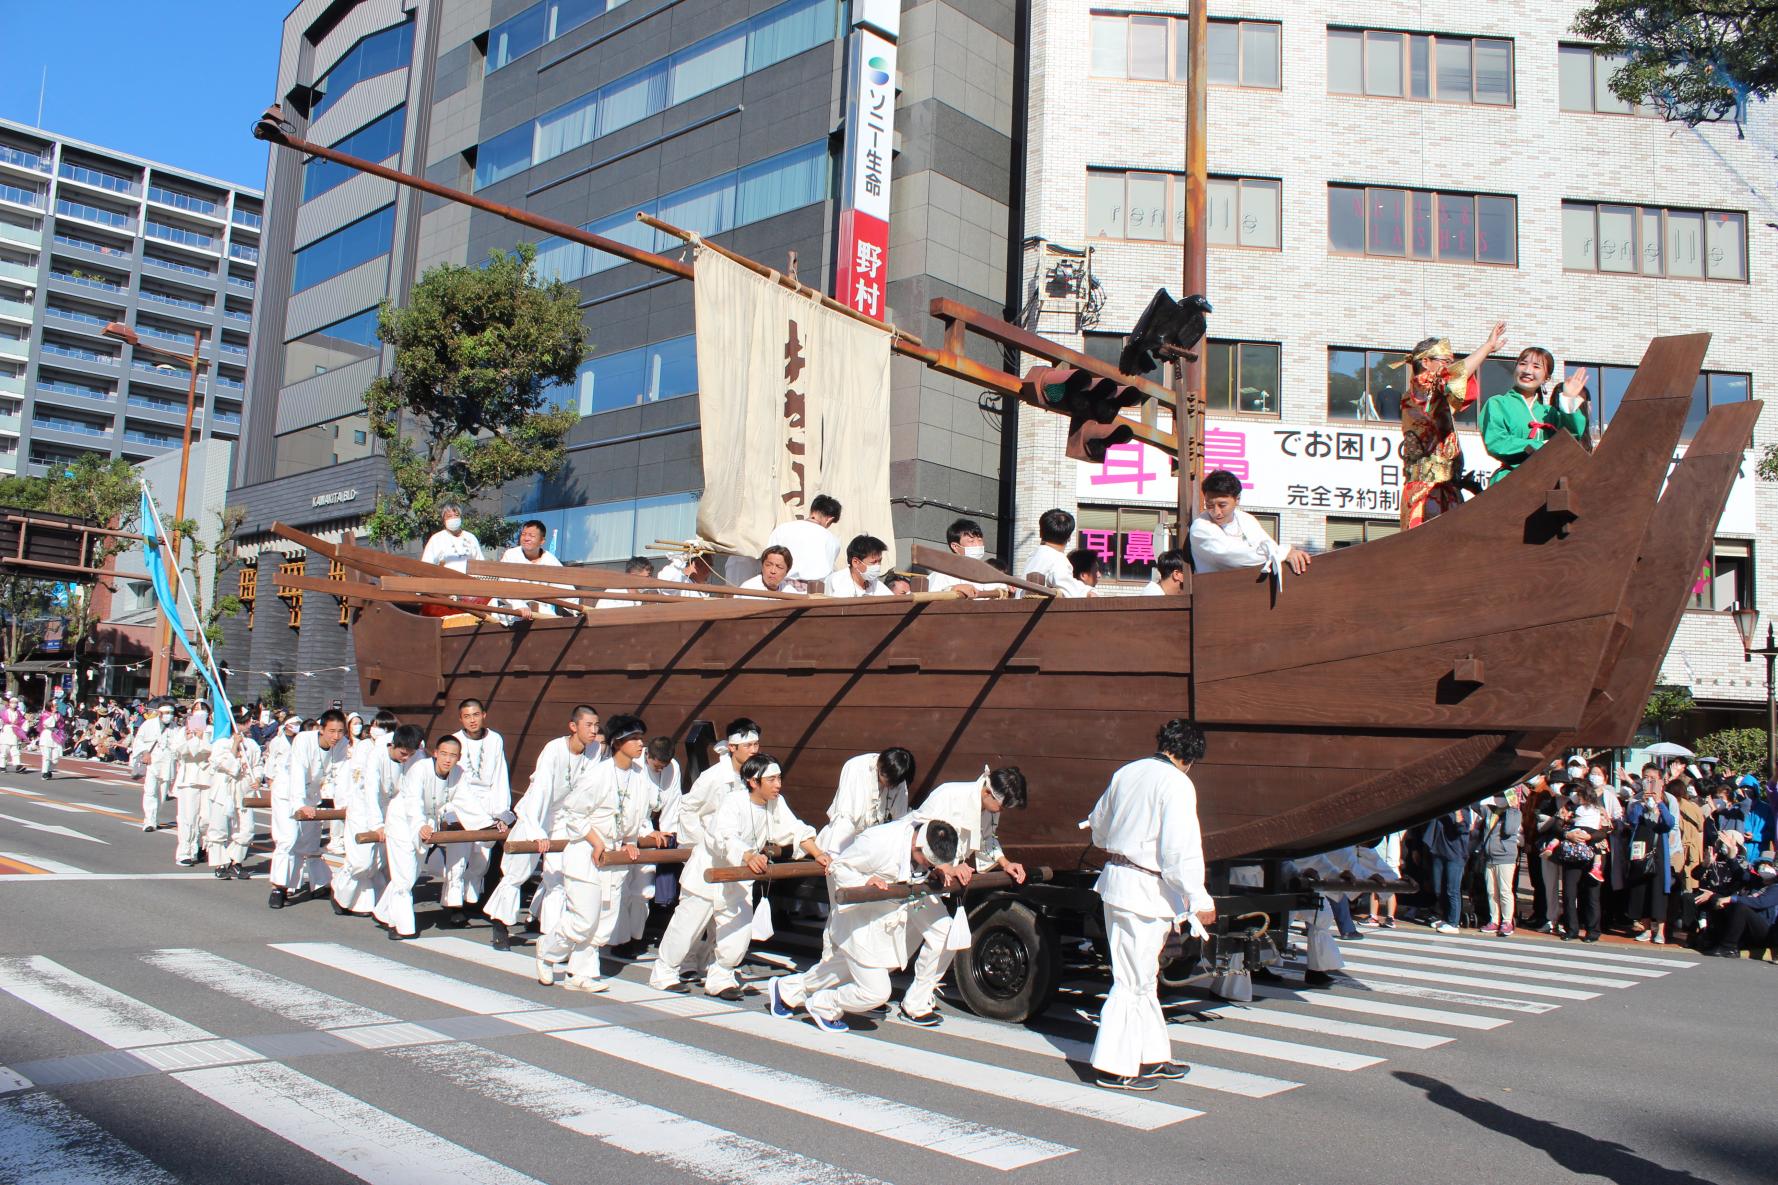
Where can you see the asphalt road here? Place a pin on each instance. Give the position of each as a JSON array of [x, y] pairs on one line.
[[157, 1025]]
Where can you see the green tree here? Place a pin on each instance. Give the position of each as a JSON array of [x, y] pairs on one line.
[[195, 553], [1742, 748], [468, 404], [1694, 61], [1667, 704]]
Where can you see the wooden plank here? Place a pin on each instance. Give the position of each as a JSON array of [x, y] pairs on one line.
[[577, 577]]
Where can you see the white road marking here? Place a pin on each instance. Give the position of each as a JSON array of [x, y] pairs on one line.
[[60, 878], [367, 1142], [51, 829], [51, 804], [965, 1140], [1213, 1036], [1071, 1097], [47, 1143], [1583, 954], [1321, 998], [1415, 958], [1527, 989], [40, 862], [1443, 995], [1325, 1025], [1521, 957]]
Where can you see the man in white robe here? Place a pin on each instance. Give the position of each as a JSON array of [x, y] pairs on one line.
[[685, 935], [873, 789], [564, 766], [299, 787], [973, 811], [234, 774], [813, 546], [774, 573], [191, 784], [1171, 575], [366, 786], [414, 816], [151, 752], [663, 772], [867, 940], [863, 574], [738, 834], [452, 547], [1225, 537], [965, 538], [530, 550], [1048, 564], [481, 802], [1153, 880]]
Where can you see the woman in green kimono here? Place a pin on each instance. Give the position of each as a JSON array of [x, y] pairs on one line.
[[1520, 422]]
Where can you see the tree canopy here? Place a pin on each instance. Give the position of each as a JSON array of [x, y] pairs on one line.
[[1694, 61], [480, 355]]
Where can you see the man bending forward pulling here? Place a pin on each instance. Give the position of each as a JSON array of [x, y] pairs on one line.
[[1147, 823]]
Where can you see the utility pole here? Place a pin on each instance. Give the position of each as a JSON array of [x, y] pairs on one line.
[[1189, 375]]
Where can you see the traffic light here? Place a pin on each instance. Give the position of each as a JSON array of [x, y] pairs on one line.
[[1090, 402]]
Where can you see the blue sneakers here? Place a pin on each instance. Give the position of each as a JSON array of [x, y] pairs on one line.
[[779, 1007], [837, 1025]]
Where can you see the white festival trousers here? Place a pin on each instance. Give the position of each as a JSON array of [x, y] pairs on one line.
[[466, 864], [835, 986], [1132, 1030], [932, 922], [154, 791], [51, 753], [624, 910], [11, 754], [190, 801], [228, 828], [730, 916], [515, 869], [361, 878], [574, 937], [395, 908]]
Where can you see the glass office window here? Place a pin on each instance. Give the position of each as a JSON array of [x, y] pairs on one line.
[[379, 53], [375, 141], [1654, 241], [348, 340], [344, 249]]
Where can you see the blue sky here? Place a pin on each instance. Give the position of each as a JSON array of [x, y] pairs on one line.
[[178, 81]]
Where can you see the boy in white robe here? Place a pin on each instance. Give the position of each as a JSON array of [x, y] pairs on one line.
[[685, 934], [966, 539], [191, 784], [415, 813], [482, 802], [298, 787], [234, 774], [564, 766], [1226, 537], [973, 811], [867, 940], [663, 771], [738, 834], [863, 574], [873, 789], [151, 752], [368, 782], [1147, 823]]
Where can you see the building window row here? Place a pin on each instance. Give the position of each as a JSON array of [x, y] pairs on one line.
[[1584, 76], [377, 140], [752, 45], [1714, 388], [1430, 67], [1422, 224], [647, 374], [348, 340], [538, 25], [607, 531], [378, 53], [771, 187], [1239, 211], [1142, 46], [1654, 241], [346, 248]]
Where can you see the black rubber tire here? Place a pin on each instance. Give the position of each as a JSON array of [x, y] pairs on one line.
[[1010, 970]]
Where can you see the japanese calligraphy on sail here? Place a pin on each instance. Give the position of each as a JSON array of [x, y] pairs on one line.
[[794, 401]]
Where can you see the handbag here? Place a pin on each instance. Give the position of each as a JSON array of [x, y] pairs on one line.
[[1570, 854]]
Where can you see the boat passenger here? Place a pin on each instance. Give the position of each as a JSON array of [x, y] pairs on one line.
[[1083, 574], [688, 568], [636, 566], [899, 584], [1049, 563], [1521, 421], [530, 550], [813, 546], [1225, 537], [1439, 388], [774, 571], [1170, 575], [863, 574], [966, 539], [452, 547]]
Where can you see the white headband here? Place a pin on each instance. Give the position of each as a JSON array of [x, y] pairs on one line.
[[743, 738], [770, 771], [926, 847]]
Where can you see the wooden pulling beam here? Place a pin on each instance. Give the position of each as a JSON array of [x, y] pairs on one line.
[[914, 890], [787, 871], [322, 814], [273, 128], [255, 802]]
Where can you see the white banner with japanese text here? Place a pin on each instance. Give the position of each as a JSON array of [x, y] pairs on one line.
[[794, 401]]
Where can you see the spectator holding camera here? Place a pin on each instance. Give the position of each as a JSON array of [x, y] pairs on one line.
[[1647, 829]]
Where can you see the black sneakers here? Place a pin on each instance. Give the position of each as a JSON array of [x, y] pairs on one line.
[[277, 899], [1125, 1082], [501, 939], [1166, 1071]]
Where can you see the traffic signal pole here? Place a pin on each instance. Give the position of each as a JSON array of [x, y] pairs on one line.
[[1189, 374]]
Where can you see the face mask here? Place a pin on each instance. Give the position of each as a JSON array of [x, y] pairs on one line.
[[873, 571], [1596, 779], [356, 728], [377, 732], [453, 524], [976, 552]]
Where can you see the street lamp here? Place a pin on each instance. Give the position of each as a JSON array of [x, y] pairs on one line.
[[160, 672], [1747, 625]]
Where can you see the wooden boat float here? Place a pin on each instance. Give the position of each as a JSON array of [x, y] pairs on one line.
[[1393, 681]]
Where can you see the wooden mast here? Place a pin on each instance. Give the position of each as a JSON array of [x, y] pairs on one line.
[[1189, 374]]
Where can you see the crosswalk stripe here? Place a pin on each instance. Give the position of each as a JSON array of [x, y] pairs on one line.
[[1088, 1102], [1445, 977], [41, 862], [1442, 994], [1517, 958], [1209, 1036], [51, 804], [562, 1100], [1417, 959], [1327, 1026], [963, 1139], [369, 1143], [1327, 999], [47, 1143], [1585, 954]]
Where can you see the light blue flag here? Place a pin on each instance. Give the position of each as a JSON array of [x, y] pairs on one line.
[[221, 719]]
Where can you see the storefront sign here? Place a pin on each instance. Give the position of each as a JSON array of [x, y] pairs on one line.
[[861, 264], [334, 498]]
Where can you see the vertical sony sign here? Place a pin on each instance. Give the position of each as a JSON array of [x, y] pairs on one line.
[[861, 266]]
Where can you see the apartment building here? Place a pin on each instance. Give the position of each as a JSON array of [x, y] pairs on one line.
[[91, 236], [1383, 172]]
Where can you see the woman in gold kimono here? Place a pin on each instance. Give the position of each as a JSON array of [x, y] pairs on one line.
[[1439, 389]]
